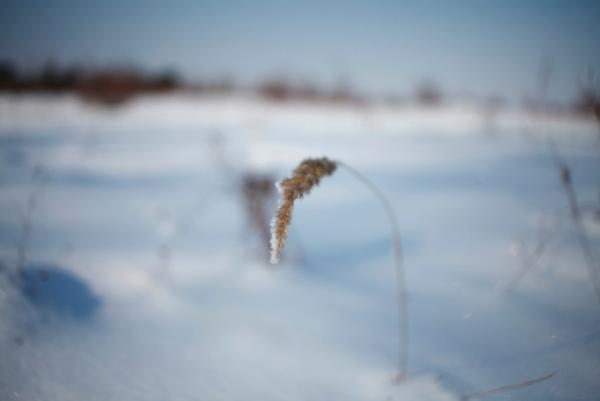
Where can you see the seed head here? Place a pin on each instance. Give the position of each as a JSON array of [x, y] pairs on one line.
[[307, 175]]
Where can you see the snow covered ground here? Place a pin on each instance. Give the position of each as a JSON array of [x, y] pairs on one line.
[[145, 279]]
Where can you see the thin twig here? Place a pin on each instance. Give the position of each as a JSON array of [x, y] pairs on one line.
[[400, 271], [528, 263], [582, 237], [509, 387], [39, 180]]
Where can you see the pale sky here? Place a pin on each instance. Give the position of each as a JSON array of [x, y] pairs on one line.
[[482, 47]]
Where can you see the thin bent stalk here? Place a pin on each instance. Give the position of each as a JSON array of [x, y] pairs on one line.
[[503, 389], [304, 178], [402, 299], [582, 237]]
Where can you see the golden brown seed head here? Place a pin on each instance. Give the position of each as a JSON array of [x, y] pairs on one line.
[[306, 176]]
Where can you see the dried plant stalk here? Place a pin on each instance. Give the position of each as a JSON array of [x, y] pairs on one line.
[[304, 178], [582, 236], [503, 389]]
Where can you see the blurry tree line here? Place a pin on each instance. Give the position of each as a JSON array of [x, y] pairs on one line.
[[114, 85]]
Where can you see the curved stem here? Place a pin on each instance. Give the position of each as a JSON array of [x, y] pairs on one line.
[[402, 301]]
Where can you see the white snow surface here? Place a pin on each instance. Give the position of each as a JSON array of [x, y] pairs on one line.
[[142, 204]]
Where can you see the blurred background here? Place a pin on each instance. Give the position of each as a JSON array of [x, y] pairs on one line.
[[140, 142]]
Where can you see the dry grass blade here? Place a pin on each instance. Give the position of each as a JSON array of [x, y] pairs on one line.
[[509, 387]]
